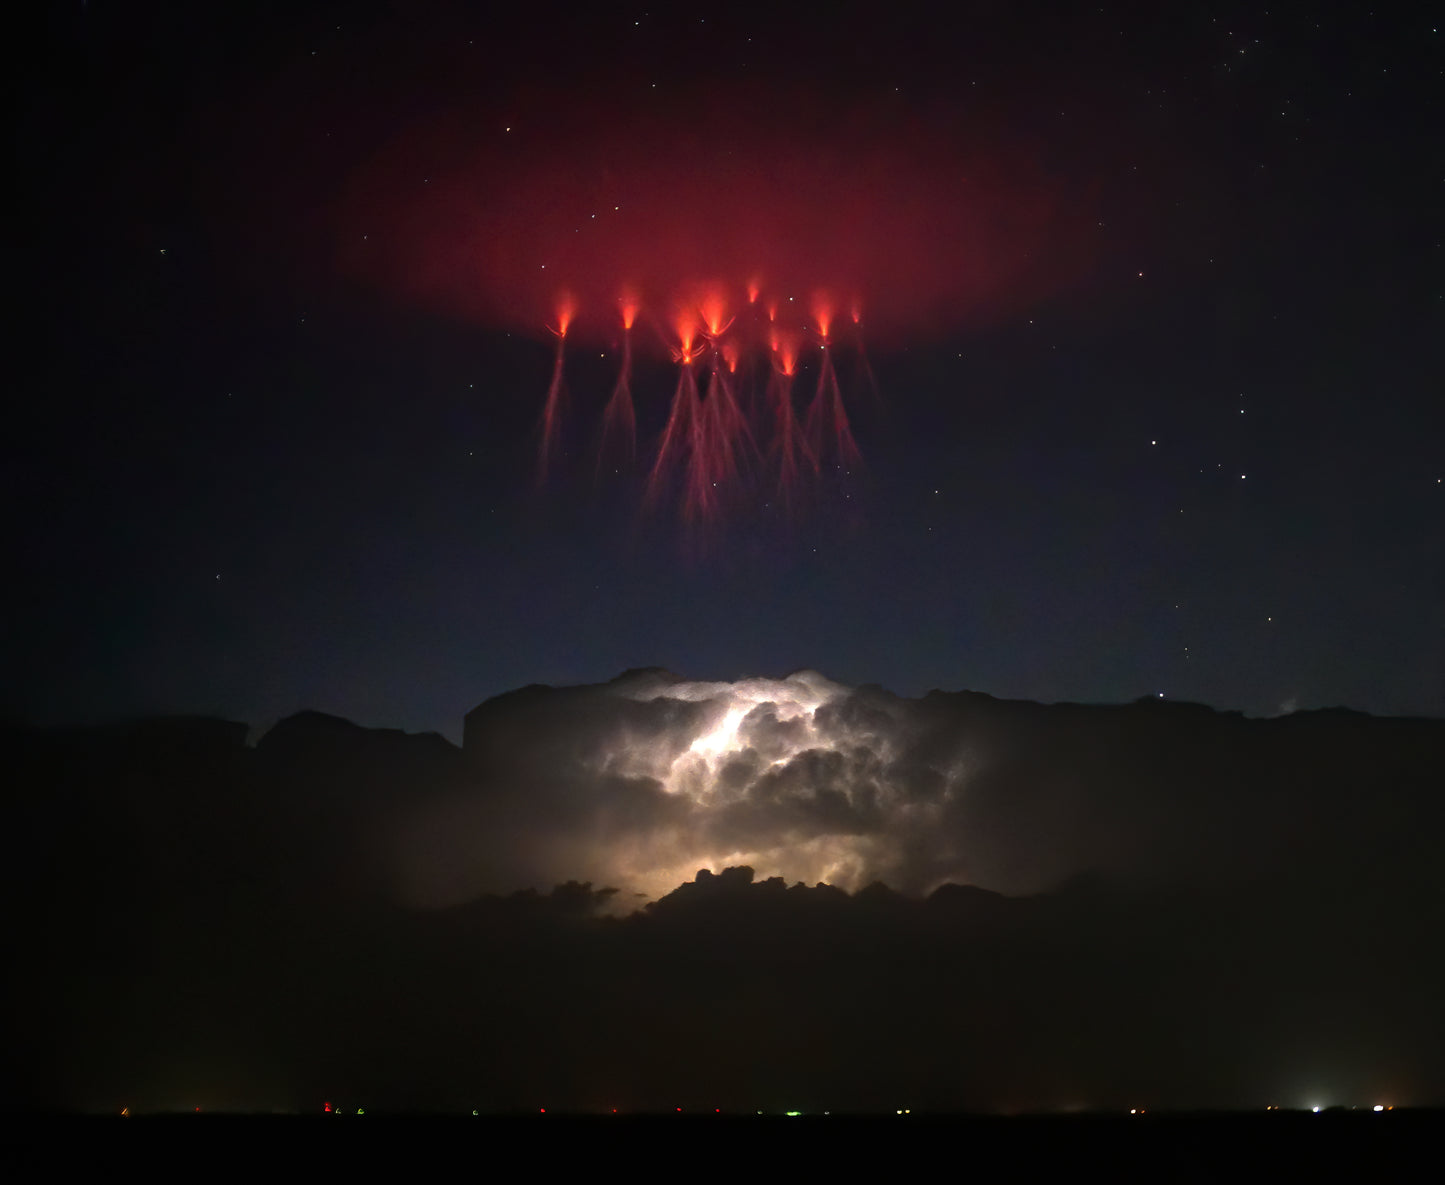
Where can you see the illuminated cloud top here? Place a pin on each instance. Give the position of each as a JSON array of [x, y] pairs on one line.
[[639, 782]]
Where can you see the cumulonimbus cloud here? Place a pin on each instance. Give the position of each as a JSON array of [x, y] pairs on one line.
[[639, 782]]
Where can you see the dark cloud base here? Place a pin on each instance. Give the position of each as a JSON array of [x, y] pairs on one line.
[[1236, 913]]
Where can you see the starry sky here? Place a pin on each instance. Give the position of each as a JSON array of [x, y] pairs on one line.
[[1157, 353]]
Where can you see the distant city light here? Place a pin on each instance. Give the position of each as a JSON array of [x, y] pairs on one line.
[[1379, 1106]]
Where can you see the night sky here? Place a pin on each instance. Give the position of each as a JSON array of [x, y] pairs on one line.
[[1157, 366], [920, 537]]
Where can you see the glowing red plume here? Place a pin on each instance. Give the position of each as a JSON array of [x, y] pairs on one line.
[[566, 310], [823, 313]]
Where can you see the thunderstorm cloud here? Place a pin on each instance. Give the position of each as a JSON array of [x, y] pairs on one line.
[[654, 892], [639, 782]]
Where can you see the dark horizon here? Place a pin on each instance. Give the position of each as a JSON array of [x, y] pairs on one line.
[[1149, 905], [452, 730]]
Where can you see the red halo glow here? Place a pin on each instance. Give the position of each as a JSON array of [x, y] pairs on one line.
[[715, 207]]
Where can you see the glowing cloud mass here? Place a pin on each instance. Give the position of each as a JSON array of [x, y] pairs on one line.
[[639, 782], [651, 776], [766, 779]]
